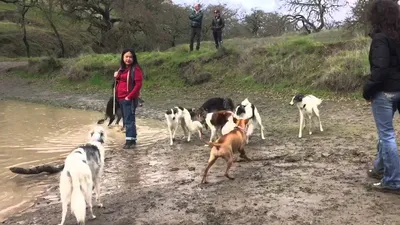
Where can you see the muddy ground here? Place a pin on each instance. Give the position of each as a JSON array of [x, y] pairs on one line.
[[319, 179]]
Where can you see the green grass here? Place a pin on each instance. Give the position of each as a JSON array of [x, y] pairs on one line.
[[283, 65]]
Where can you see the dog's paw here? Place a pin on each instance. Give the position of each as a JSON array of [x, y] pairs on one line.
[[230, 178], [100, 205], [310, 133], [92, 217], [321, 130]]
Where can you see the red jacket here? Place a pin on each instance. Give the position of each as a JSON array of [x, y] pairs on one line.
[[129, 83]]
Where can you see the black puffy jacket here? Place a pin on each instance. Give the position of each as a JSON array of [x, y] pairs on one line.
[[384, 60]]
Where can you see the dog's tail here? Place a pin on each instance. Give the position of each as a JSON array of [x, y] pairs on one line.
[[210, 143], [213, 144], [318, 101], [78, 204]]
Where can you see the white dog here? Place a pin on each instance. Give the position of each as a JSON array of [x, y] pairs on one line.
[[307, 105], [82, 171], [179, 115], [248, 110]]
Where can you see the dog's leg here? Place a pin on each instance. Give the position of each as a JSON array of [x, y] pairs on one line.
[[88, 196], [171, 140], [243, 154], [258, 118], [316, 111], [211, 162], [301, 123], [229, 160], [97, 190], [213, 131], [112, 118], [175, 127], [189, 135], [65, 194], [250, 130], [118, 119], [310, 128], [185, 132]]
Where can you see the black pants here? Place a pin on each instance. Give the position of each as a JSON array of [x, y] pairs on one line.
[[196, 32], [217, 38]]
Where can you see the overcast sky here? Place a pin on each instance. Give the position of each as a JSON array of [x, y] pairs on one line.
[[266, 5]]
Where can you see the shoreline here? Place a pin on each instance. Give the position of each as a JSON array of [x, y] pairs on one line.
[[319, 179]]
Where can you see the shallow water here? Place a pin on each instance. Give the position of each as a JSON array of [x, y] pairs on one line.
[[34, 134]]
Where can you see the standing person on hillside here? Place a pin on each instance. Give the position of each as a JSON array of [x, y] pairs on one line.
[[128, 84], [217, 25], [196, 18], [382, 90]]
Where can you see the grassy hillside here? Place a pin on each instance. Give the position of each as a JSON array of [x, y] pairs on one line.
[[323, 63], [40, 36]]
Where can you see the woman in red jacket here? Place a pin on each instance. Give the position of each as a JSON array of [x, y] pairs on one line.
[[128, 84]]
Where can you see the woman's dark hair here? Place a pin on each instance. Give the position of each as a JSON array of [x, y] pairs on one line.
[[384, 16], [135, 61]]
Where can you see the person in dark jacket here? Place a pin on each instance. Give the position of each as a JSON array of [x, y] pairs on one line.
[[196, 18], [382, 90], [128, 84], [217, 25]]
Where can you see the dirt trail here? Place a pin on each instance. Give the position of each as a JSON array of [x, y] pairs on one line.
[[319, 179]]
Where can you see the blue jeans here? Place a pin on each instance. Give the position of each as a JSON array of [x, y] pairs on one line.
[[128, 111], [384, 105]]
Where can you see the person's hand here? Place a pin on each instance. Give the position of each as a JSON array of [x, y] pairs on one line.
[[116, 74], [126, 98], [369, 102]]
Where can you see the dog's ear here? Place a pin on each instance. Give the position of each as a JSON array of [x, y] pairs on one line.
[[235, 120]]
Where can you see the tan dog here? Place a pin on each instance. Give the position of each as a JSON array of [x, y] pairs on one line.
[[226, 145]]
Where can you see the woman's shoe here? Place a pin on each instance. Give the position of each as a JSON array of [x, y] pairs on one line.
[[374, 174], [129, 144], [379, 187]]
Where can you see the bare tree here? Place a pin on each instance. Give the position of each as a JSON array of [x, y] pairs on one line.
[[175, 22], [358, 18], [23, 7], [262, 24], [254, 21], [47, 7], [97, 12], [312, 14]]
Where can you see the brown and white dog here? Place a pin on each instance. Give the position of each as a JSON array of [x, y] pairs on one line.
[[225, 146], [217, 120]]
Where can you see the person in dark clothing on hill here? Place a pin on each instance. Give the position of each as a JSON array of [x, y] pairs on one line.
[[196, 18], [217, 25], [382, 90]]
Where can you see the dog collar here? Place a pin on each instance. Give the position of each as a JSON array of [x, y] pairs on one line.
[[243, 130]]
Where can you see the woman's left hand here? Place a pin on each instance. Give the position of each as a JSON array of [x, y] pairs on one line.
[[127, 99]]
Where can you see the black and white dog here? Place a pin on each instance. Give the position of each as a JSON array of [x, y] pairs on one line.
[[82, 171], [307, 105], [113, 109], [213, 105], [184, 117], [248, 110], [111, 113]]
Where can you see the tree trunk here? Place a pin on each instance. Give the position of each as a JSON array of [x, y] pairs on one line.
[[24, 39], [60, 42], [38, 169]]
